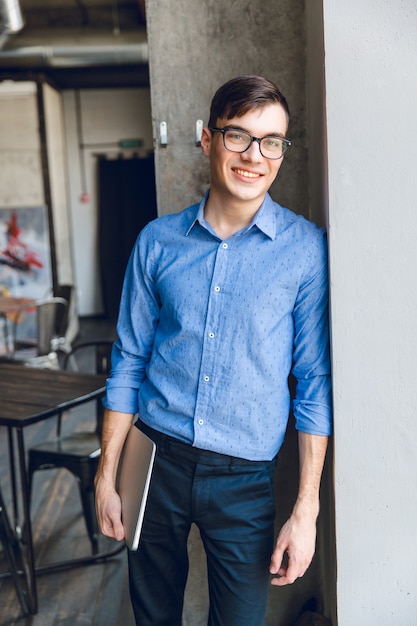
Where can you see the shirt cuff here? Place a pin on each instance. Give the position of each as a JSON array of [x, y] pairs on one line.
[[123, 399], [313, 418]]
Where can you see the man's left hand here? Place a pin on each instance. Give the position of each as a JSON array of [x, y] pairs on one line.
[[294, 549]]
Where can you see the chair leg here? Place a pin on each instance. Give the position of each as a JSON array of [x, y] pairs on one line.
[[32, 468], [89, 508], [10, 544], [85, 477]]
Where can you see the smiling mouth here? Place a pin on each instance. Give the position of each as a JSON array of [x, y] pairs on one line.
[[246, 174]]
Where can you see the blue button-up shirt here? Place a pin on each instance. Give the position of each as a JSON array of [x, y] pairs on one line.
[[209, 330]]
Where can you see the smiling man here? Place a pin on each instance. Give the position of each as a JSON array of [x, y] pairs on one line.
[[221, 302]]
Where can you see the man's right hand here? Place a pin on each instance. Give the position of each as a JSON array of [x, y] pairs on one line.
[[108, 507]]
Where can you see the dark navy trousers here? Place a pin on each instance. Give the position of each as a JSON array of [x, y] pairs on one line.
[[231, 501]]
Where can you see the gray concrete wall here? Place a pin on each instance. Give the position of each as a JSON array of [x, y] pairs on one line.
[[194, 48], [316, 113], [318, 185]]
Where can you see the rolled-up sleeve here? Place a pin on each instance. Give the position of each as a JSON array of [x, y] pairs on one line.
[[311, 357], [137, 321]]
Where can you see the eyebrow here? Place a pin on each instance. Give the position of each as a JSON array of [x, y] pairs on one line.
[[273, 134]]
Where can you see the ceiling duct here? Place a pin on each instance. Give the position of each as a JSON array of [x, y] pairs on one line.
[[11, 20], [41, 50]]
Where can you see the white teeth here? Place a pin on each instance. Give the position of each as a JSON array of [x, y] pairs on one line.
[[247, 174]]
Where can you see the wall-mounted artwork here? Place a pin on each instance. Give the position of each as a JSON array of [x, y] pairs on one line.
[[25, 259]]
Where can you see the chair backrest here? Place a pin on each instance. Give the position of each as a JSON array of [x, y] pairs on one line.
[[48, 314], [92, 357], [67, 292]]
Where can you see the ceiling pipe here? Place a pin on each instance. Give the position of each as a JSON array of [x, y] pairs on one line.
[[76, 55], [12, 20]]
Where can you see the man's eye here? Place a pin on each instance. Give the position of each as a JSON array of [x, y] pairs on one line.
[[235, 136], [272, 142]]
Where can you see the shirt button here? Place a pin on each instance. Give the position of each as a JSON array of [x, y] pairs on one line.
[[206, 378], [201, 422], [225, 246], [211, 335], [217, 288]]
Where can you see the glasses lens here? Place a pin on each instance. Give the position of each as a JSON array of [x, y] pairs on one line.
[[273, 147], [236, 140]]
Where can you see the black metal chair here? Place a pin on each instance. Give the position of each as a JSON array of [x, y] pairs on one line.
[[78, 452], [67, 292], [13, 554], [51, 316], [62, 342]]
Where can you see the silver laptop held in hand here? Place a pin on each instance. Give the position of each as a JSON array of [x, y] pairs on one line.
[[135, 471]]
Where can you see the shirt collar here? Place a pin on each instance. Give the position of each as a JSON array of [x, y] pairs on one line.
[[264, 218], [197, 214]]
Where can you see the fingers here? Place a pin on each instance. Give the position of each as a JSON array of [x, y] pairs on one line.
[[278, 561], [109, 516], [294, 551], [112, 527], [291, 569], [287, 575], [280, 565]]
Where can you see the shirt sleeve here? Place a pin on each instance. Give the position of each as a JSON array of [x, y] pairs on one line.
[[137, 322], [311, 354]]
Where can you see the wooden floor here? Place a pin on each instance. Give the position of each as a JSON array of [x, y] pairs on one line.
[[95, 594]]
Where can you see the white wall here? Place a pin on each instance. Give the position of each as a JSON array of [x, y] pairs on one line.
[[94, 125], [55, 139], [371, 85], [22, 181], [20, 155]]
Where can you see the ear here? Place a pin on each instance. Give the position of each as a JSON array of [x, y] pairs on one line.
[[206, 141]]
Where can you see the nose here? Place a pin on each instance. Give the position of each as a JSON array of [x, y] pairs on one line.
[[253, 153]]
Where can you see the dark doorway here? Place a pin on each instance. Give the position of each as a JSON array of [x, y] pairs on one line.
[[127, 202]]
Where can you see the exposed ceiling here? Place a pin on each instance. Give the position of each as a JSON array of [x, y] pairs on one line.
[[104, 15], [77, 43]]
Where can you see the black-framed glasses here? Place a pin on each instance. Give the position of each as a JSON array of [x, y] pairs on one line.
[[238, 140]]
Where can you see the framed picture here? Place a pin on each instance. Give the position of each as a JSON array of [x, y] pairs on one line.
[[25, 258]]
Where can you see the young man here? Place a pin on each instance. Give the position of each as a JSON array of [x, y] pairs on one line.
[[220, 303]]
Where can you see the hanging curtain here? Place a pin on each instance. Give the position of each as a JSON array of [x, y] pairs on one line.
[[127, 202]]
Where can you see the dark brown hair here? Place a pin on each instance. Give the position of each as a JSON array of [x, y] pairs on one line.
[[243, 94]]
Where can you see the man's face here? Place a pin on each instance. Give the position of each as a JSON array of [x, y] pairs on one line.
[[244, 177]]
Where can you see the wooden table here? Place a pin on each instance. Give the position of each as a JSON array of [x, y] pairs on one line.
[[11, 304], [30, 395]]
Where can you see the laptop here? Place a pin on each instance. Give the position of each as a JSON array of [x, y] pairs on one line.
[[134, 477]]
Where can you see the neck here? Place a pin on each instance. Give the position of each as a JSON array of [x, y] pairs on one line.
[[229, 219]]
